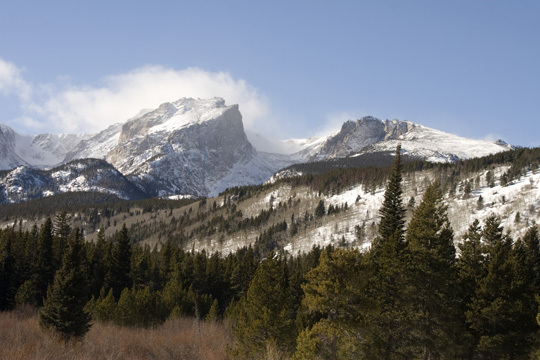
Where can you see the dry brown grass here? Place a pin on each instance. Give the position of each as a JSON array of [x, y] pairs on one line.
[[21, 338]]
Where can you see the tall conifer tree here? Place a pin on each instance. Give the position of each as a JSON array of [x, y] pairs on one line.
[[61, 231], [431, 274], [531, 242], [335, 293], [265, 319], [470, 269], [97, 259], [388, 324], [119, 276], [393, 212], [7, 271], [63, 310], [44, 268]]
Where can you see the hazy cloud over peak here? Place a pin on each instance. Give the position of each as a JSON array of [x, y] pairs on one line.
[[73, 108]]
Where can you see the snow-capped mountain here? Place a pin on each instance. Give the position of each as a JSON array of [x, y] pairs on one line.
[[44, 150], [199, 147], [26, 183], [370, 134], [190, 146], [429, 144]]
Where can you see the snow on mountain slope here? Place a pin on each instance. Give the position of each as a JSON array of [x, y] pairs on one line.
[[369, 134], [437, 146], [521, 196], [26, 183], [44, 150], [356, 226], [256, 171], [96, 146], [21, 184]]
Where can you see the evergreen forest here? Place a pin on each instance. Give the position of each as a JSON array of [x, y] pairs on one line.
[[417, 292]]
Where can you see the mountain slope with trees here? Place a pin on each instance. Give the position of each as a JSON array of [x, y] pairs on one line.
[[407, 296]]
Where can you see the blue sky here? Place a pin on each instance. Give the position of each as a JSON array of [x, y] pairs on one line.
[[297, 68]]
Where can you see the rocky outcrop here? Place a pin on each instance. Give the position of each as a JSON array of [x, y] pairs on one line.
[[356, 135]]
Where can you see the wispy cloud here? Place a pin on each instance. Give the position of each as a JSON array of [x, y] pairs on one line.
[[63, 107], [11, 81], [334, 122], [492, 137]]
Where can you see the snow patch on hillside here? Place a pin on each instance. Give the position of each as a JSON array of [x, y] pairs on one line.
[[357, 225]]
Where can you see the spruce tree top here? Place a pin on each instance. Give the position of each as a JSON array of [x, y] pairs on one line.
[[392, 211]]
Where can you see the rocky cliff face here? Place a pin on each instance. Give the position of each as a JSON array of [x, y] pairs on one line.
[[354, 135], [182, 149]]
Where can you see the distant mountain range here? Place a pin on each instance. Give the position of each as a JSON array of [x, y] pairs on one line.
[[200, 148]]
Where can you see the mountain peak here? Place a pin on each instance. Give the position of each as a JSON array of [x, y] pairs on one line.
[[175, 115]]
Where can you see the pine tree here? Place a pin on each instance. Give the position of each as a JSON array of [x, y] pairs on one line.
[[166, 260], [470, 269], [335, 294], [174, 299], [7, 272], [264, 319], [125, 313], [243, 271], [44, 270], [522, 330], [431, 276], [213, 314], [140, 266], [387, 324], [27, 257], [199, 272], [119, 276], [320, 209], [500, 311], [392, 211], [531, 242], [63, 310], [97, 263], [61, 231], [215, 279], [149, 309], [105, 307]]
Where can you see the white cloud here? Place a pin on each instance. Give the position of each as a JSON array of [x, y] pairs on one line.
[[334, 122], [68, 108], [492, 137], [11, 82]]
